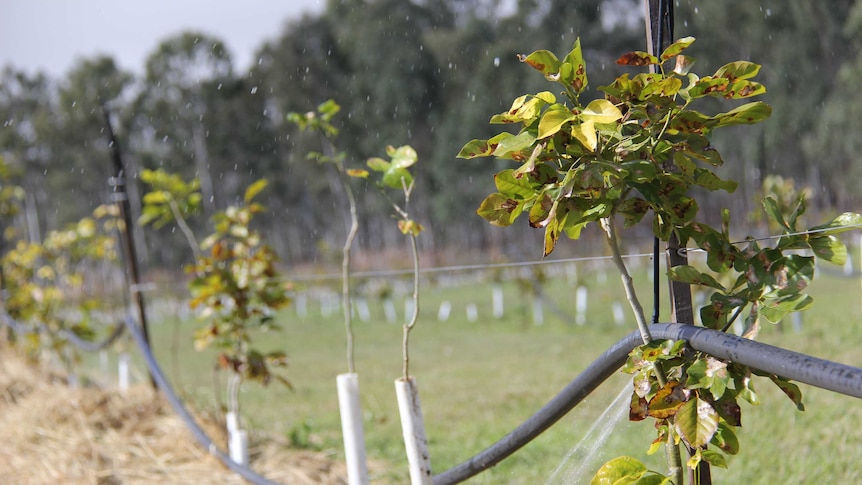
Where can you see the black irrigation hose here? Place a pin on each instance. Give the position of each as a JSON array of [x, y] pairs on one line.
[[177, 404], [77, 341], [88, 346], [820, 373]]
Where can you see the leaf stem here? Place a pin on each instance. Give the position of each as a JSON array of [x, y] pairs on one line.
[[346, 306], [628, 283]]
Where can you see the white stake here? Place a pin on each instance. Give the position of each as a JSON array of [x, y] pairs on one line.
[[497, 300], [123, 371], [413, 429], [301, 305], [103, 362], [538, 311], [351, 428], [389, 311], [361, 306], [619, 314], [581, 305], [443, 312], [472, 312]]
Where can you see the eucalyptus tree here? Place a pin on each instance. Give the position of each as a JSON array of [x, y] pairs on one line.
[[834, 142], [176, 106], [92, 95], [802, 48], [27, 105]]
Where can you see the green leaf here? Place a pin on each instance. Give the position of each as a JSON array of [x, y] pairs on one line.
[[517, 147], [397, 178], [514, 186], [744, 89], [829, 248], [543, 61], [476, 148], [725, 439], [378, 164], [791, 390], [845, 222], [712, 182], [690, 275], [640, 171], [601, 111], [254, 189], [676, 48], [553, 120], [500, 210], [696, 421], [714, 458], [402, 157], [579, 72], [737, 70], [776, 309], [621, 467], [746, 114], [770, 205]]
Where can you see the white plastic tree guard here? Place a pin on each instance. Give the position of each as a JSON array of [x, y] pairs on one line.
[[351, 428], [237, 440], [413, 428]]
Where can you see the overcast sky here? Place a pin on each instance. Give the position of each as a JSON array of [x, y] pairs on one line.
[[49, 35]]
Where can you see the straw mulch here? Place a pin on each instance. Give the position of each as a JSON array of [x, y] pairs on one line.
[[54, 434]]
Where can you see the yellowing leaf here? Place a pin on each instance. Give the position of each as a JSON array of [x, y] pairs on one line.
[[254, 189], [553, 120], [601, 111], [586, 134], [357, 172]]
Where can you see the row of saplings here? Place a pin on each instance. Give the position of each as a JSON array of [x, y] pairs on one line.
[[639, 150]]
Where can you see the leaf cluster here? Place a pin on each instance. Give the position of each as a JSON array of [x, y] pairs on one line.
[[237, 290], [639, 150], [170, 198], [46, 287]]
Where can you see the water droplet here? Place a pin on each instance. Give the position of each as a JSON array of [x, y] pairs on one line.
[[74, 103], [219, 86], [254, 90], [496, 62]]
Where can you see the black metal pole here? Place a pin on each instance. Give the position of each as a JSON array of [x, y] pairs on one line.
[[121, 198]]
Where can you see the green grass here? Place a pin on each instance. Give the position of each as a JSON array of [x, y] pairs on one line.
[[478, 380]]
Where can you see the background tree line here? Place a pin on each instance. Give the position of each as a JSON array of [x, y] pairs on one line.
[[416, 72]]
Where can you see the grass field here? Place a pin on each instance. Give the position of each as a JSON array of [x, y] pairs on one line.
[[480, 379]]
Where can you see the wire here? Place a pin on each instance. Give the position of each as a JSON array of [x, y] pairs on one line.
[[466, 267]]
